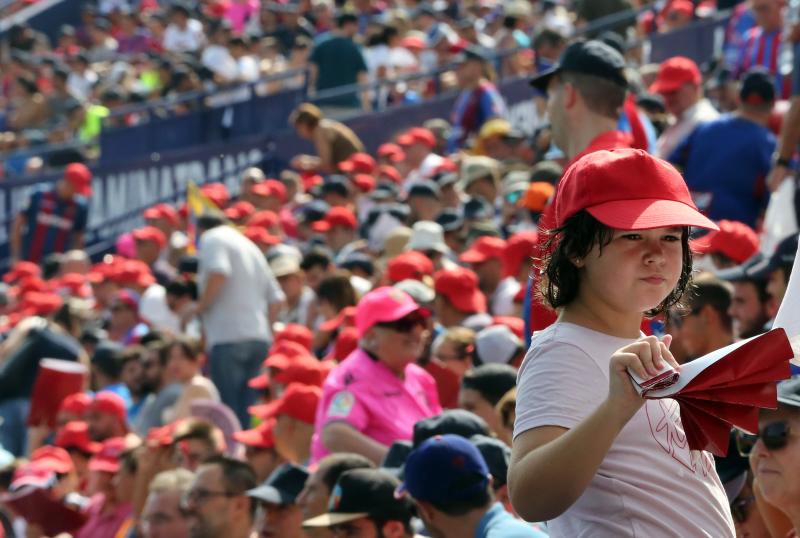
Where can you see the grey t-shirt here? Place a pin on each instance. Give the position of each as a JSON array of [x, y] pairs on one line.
[[239, 312], [152, 413]]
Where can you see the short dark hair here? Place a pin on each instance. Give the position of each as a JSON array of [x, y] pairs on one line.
[[210, 220], [601, 95], [575, 239], [335, 465], [337, 290], [306, 114], [316, 257], [237, 475], [548, 36], [492, 381], [714, 293]]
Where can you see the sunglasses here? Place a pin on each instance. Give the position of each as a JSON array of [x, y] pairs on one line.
[[775, 436], [740, 508], [404, 325]]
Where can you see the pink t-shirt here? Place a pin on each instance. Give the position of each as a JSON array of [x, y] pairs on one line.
[[364, 393], [239, 11], [650, 484]]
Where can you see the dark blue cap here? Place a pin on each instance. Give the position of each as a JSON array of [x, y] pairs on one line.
[[588, 58], [283, 485], [783, 257], [443, 469]]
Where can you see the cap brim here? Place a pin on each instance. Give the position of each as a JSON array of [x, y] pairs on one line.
[[329, 520], [541, 81], [649, 213], [472, 256], [762, 270], [265, 410], [268, 494], [660, 86], [104, 466]]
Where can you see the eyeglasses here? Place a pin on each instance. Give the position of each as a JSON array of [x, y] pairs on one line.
[[775, 436], [740, 508], [199, 496], [404, 325]]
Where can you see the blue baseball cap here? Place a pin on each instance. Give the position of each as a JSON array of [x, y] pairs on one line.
[[444, 468]]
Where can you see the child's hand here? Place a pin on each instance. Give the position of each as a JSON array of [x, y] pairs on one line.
[[645, 357]]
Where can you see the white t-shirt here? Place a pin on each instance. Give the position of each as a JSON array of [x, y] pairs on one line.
[[219, 60], [502, 300], [153, 309], [239, 312], [650, 484], [189, 39], [247, 68]]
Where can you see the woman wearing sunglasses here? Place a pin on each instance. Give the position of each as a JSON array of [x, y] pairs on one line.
[[775, 459], [377, 394]]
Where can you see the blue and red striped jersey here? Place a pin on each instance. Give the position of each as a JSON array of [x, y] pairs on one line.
[[52, 224]]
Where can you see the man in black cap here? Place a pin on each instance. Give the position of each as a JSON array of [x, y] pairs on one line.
[[455, 421], [279, 515], [777, 269], [363, 504], [737, 147], [479, 100], [750, 301], [424, 199]]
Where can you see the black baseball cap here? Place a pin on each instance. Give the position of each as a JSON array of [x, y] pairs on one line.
[[425, 188], [782, 257], [364, 493], [396, 456], [283, 485], [789, 392], [450, 220], [497, 455], [455, 421], [739, 273], [757, 87], [588, 58]]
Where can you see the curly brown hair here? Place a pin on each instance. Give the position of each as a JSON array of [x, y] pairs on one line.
[[575, 239]]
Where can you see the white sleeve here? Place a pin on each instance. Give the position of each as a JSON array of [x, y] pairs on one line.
[[558, 385], [213, 256]]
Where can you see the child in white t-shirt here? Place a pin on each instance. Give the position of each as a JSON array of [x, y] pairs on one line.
[[589, 454]]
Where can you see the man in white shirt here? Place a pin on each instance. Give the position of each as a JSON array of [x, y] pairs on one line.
[[246, 64], [680, 84], [183, 33], [239, 299], [216, 56]]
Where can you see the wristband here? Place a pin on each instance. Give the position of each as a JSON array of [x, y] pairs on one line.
[[782, 161]]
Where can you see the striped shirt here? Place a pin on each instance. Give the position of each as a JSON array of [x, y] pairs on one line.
[[52, 224], [762, 49]]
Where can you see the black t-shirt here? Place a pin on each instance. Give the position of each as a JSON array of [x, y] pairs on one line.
[[339, 61], [18, 373]]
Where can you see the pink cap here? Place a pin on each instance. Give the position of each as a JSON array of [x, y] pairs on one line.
[[382, 305]]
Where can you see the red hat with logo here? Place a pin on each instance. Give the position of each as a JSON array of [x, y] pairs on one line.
[[393, 152], [519, 249], [382, 305], [217, 193], [483, 249], [674, 73], [460, 286], [627, 189], [259, 437], [76, 404], [336, 216], [53, 458], [80, 177], [417, 135], [162, 211], [294, 332], [75, 434], [360, 163], [346, 317], [298, 402], [264, 218], [410, 265], [735, 240], [346, 342], [107, 459], [303, 370], [22, 270], [150, 233], [240, 210], [260, 236], [108, 403], [390, 172]]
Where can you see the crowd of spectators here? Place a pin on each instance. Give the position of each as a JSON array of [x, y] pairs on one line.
[[334, 351]]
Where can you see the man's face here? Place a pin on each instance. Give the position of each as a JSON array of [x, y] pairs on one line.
[[313, 500], [469, 72], [101, 426], [767, 13], [358, 528], [556, 112], [292, 285], [262, 460], [147, 251], [489, 272], [748, 312], [694, 336], [678, 101], [151, 372], [280, 521], [163, 517], [208, 504], [472, 401], [122, 316], [776, 287], [131, 375]]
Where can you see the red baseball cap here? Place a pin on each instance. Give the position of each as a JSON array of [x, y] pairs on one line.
[[483, 249], [627, 189], [265, 219], [37, 303], [75, 434], [294, 332], [346, 317], [298, 401], [31, 474], [240, 210], [22, 270], [417, 135], [29, 284], [279, 361], [217, 193], [150, 233], [519, 249], [54, 458], [336, 216], [409, 265], [259, 382], [517, 325], [162, 211], [681, 6], [390, 172], [133, 273], [674, 73], [109, 403], [107, 459], [413, 43], [734, 239], [303, 370], [383, 305], [364, 182], [310, 179], [287, 347], [75, 285], [271, 187], [260, 236], [76, 404], [258, 437], [360, 163], [80, 177], [393, 152], [162, 436], [346, 342], [460, 286]]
